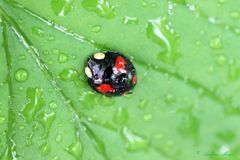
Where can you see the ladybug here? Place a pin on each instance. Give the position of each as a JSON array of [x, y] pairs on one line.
[[111, 73]]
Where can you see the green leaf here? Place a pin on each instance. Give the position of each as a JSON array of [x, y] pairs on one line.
[[185, 106]]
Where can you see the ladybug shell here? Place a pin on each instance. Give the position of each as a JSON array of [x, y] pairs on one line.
[[111, 73]]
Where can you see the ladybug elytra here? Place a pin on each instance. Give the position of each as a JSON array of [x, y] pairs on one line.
[[111, 73]]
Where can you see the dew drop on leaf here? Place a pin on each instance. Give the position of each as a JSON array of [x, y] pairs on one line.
[[61, 7], [134, 142], [62, 58], [221, 60], [68, 75], [101, 7], [21, 75], [75, 149], [45, 149], [130, 20], [120, 116], [96, 28], [216, 42], [38, 31], [34, 103]]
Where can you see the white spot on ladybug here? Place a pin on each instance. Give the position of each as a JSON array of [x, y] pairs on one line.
[[88, 72], [99, 55]]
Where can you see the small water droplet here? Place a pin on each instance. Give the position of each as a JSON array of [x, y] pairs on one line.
[[21, 75], [147, 117], [221, 60], [62, 58], [96, 28], [130, 20], [235, 14], [233, 70], [45, 149], [68, 75], [216, 42], [75, 149], [50, 62], [2, 119], [58, 138], [170, 98], [100, 7], [51, 38], [133, 141], [120, 116], [53, 105], [22, 57], [55, 51], [61, 7], [55, 158], [142, 104], [38, 31]]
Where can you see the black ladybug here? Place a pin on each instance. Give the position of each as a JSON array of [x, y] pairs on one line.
[[111, 73]]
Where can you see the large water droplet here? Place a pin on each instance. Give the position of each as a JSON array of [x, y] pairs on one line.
[[101, 7], [61, 7], [133, 141], [34, 104], [120, 116], [159, 31], [46, 119], [21, 75]]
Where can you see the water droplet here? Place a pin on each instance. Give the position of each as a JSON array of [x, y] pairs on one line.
[[235, 14], [233, 71], [46, 119], [21, 75], [62, 58], [160, 32], [121, 116], [58, 138], [100, 7], [133, 141], [169, 98], [34, 103], [51, 38], [221, 60], [2, 119], [21, 127], [68, 75], [216, 42], [50, 62], [22, 57], [45, 149], [147, 117], [130, 20], [56, 51], [142, 104], [53, 105], [61, 7], [38, 31], [96, 29], [75, 149], [55, 158]]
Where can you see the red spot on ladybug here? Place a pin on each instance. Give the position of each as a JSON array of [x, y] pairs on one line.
[[134, 80], [104, 88], [120, 64]]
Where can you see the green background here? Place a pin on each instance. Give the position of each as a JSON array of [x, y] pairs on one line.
[[185, 106]]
